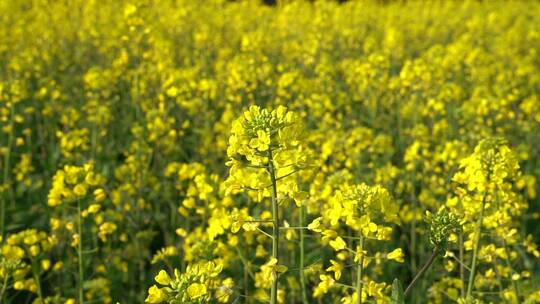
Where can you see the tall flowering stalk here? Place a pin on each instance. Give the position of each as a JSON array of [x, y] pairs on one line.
[[367, 212], [490, 205], [265, 153], [73, 184]]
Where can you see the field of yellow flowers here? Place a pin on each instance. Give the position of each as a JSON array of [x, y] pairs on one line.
[[215, 151]]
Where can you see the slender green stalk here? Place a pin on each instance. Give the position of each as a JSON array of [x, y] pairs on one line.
[[4, 287], [2, 214], [424, 268], [359, 270], [461, 266], [509, 265], [476, 248], [302, 274], [499, 278], [36, 278], [5, 182], [275, 228], [93, 150], [246, 285], [245, 262], [80, 252]]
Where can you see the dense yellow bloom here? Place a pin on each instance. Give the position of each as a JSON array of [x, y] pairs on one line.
[[140, 137], [196, 290], [163, 278], [156, 295], [397, 255]]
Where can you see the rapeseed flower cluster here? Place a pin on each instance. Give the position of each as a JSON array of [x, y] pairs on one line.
[[235, 152]]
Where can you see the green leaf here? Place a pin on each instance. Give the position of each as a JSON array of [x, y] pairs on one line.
[[397, 293]]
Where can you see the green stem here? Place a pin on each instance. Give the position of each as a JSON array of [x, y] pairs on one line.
[[80, 252], [36, 278], [359, 270], [246, 285], [498, 277], [509, 265], [275, 228], [422, 271], [93, 151], [245, 262], [5, 181], [461, 265], [2, 214], [476, 248], [302, 274], [4, 286]]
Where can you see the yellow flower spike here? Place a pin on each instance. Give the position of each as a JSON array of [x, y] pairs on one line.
[[101, 268], [233, 240], [272, 267], [99, 195], [315, 225], [328, 234], [289, 233], [31, 285], [280, 112], [181, 232], [322, 288], [336, 268], [449, 266], [196, 291], [12, 252], [74, 240], [106, 229], [94, 208], [397, 255], [19, 285], [31, 239], [260, 252], [156, 295], [58, 266], [163, 278], [342, 255], [34, 250], [80, 190], [338, 244], [70, 226]]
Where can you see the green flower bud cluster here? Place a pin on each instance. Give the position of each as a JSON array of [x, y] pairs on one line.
[[441, 225]]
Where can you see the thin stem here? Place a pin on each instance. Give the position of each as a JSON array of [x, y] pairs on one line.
[[465, 267], [461, 265], [4, 286], [275, 228], [359, 270], [80, 252], [247, 264], [263, 232], [344, 285], [293, 228], [5, 182], [422, 271], [476, 248], [302, 274], [93, 150], [509, 265], [36, 278], [499, 278], [246, 285]]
